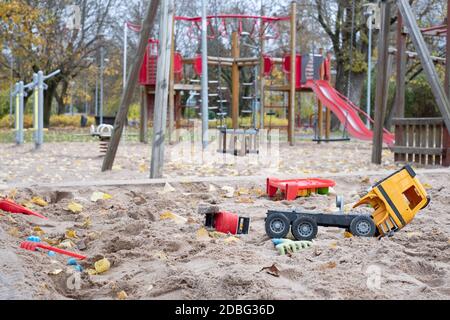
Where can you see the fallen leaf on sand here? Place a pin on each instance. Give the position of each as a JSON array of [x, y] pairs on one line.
[[329, 265], [245, 200], [91, 272], [347, 235], [122, 295], [71, 234], [365, 180], [333, 245], [75, 207], [67, 244], [217, 235], [28, 205], [202, 234], [143, 168], [167, 189], [101, 266], [259, 192], [229, 192], [39, 201], [100, 196], [272, 270], [231, 240], [427, 186], [38, 231], [172, 216], [51, 242], [14, 232], [55, 272], [243, 192], [87, 223]]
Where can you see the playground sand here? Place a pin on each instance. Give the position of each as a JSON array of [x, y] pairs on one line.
[[162, 259]]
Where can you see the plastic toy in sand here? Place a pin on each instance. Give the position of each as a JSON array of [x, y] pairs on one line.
[[292, 189], [12, 207], [35, 246]]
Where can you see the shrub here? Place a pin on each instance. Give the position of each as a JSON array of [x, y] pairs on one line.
[[64, 121]]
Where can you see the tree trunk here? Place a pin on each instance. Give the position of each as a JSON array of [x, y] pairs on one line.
[[357, 87], [60, 98], [48, 99]]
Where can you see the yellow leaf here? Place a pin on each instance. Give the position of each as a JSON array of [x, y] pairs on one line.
[[38, 231], [87, 223], [427, 186], [28, 204], [91, 272], [243, 192], [259, 192], [329, 265], [143, 168], [172, 216], [71, 234], [51, 242], [101, 266], [75, 207], [39, 201], [244, 200], [347, 235], [100, 196], [202, 234], [231, 240], [122, 295]]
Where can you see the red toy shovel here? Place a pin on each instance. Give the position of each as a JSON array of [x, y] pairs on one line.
[[33, 246], [12, 207]]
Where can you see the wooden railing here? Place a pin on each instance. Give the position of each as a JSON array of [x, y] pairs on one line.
[[422, 140]]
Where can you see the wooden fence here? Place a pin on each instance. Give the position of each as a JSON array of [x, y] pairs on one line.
[[422, 140]]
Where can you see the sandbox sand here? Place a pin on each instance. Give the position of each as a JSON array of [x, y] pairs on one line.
[[161, 259]]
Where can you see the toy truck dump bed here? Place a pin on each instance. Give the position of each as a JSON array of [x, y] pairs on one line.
[[396, 200]]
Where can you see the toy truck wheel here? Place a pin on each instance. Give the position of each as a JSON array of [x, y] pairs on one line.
[[277, 226], [363, 226], [304, 229]]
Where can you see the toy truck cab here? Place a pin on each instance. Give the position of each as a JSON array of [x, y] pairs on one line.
[[396, 200]]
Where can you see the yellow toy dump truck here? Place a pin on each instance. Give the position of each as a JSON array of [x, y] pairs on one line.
[[395, 200]]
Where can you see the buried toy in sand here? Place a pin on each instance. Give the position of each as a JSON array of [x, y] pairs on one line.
[[12, 207], [287, 246], [395, 200], [224, 222]]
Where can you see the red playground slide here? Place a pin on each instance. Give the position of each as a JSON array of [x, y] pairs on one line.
[[345, 111]]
